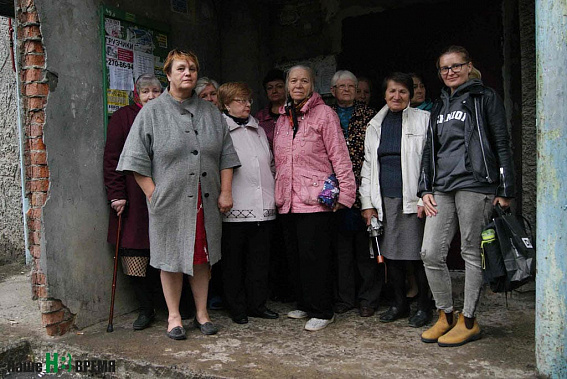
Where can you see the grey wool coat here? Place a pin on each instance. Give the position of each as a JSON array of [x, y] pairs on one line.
[[178, 145]]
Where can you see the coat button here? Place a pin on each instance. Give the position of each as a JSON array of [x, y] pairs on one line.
[[207, 194], [195, 152], [196, 132], [204, 174]]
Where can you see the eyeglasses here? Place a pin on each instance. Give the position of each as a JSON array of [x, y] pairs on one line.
[[244, 101], [344, 87], [456, 68]]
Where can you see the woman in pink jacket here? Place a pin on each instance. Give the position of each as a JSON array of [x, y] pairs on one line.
[[308, 147]]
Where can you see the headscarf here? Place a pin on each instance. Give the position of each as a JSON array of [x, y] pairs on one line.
[[137, 99]]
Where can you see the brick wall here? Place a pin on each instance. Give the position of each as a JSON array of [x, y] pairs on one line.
[[56, 318]]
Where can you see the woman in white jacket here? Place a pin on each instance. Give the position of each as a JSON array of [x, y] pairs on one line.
[[248, 226], [393, 145]]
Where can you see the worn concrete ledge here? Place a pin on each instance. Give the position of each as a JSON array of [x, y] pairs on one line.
[[353, 347]]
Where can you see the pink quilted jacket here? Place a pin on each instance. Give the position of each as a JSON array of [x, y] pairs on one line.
[[304, 162]]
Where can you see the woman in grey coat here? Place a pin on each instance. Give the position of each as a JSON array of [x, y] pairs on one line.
[[182, 157]]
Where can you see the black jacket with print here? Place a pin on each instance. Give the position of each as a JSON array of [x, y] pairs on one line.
[[487, 142], [357, 125]]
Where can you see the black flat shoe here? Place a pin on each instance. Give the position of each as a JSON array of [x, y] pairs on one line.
[[393, 314], [240, 319], [143, 321], [177, 333], [342, 308], [419, 319], [208, 328], [267, 313]]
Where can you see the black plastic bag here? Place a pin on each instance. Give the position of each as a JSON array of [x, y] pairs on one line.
[[514, 253], [493, 267]]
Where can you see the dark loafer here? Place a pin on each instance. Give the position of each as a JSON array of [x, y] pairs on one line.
[[208, 328], [266, 313], [215, 303], [342, 308], [420, 318], [240, 319], [177, 333], [366, 311], [143, 321], [393, 314]]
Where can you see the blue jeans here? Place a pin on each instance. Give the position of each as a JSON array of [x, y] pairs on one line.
[[471, 211]]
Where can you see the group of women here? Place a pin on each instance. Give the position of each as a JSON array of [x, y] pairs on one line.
[[326, 172]]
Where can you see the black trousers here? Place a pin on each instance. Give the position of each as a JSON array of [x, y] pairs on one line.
[[352, 257], [397, 277], [280, 283], [308, 238], [245, 265]]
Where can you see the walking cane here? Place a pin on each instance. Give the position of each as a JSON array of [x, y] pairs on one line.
[[109, 328]]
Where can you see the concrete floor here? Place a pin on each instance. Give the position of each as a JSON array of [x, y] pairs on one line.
[[353, 347]]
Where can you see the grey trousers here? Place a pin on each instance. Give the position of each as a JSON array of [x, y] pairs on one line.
[[471, 212]]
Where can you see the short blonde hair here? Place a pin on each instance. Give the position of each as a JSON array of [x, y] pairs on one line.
[[230, 91], [179, 54]]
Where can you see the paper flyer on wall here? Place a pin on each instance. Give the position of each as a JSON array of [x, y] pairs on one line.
[[116, 99], [143, 63], [120, 63]]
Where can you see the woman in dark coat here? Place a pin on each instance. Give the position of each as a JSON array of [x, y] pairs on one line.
[[126, 198]]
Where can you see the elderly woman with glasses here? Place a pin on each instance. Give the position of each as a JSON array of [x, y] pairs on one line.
[[394, 142], [182, 157], [352, 239], [247, 227], [309, 146], [467, 168]]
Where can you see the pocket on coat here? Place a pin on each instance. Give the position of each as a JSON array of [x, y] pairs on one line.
[[310, 187]]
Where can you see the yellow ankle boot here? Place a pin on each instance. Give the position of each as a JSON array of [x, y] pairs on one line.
[[460, 334], [441, 327]]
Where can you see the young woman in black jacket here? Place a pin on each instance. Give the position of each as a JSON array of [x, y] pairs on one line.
[[466, 169]]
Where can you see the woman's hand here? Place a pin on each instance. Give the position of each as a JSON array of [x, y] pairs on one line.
[[420, 211], [503, 201], [338, 206], [118, 206], [368, 214], [430, 205], [225, 201]]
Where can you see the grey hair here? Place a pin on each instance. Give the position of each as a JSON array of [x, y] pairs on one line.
[[343, 74], [146, 80], [203, 82], [310, 72]]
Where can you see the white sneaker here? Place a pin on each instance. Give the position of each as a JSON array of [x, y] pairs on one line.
[[297, 314], [315, 324]]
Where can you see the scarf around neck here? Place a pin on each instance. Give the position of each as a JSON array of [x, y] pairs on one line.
[[293, 110]]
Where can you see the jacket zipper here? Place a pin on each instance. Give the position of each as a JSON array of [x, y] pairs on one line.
[[503, 180], [432, 158], [480, 140]]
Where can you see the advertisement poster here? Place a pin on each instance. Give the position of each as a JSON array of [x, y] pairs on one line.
[[143, 63], [116, 99], [120, 63]]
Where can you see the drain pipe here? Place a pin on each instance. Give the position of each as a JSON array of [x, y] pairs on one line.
[[22, 138], [551, 287]]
